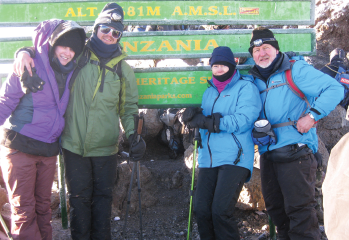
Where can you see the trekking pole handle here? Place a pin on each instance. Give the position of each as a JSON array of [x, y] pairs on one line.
[[140, 126], [196, 134]]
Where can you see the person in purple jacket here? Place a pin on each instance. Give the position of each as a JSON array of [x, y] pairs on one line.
[[32, 123]]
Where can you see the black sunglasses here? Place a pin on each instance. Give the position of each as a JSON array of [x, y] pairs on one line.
[[105, 30]]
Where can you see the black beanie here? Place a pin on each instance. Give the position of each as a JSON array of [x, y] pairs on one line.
[[111, 15], [260, 33], [222, 54], [68, 34]]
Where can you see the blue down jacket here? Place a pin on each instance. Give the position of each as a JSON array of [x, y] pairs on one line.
[[281, 104], [240, 105]]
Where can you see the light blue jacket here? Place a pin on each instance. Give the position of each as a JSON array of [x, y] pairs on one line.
[[240, 105], [281, 104]]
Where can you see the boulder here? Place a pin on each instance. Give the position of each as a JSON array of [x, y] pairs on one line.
[[251, 197], [333, 127], [120, 191]]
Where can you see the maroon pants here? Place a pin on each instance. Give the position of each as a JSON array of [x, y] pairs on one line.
[[29, 181]]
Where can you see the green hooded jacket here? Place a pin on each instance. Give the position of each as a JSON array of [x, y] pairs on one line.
[[92, 116]]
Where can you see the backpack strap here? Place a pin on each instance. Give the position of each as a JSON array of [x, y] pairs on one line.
[[81, 62], [294, 88]]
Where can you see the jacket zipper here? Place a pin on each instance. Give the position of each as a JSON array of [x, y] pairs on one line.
[[209, 134]]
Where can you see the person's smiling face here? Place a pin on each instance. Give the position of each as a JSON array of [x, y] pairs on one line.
[[264, 55], [106, 38], [64, 54]]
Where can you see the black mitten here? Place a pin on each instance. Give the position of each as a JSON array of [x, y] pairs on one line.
[[31, 84], [189, 113]]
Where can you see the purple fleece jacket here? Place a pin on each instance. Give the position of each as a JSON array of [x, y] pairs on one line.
[[36, 115]]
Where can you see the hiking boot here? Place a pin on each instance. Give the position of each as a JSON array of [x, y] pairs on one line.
[[337, 55]]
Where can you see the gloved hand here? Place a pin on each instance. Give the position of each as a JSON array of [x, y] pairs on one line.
[[211, 122], [32, 84], [189, 113], [137, 149]]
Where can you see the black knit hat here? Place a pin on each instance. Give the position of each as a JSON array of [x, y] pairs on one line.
[[68, 34], [222, 54], [263, 33], [111, 15]]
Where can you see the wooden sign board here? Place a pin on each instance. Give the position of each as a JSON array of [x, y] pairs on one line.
[[261, 12], [190, 44]]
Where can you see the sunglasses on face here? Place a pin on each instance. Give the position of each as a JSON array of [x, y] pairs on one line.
[[261, 41], [105, 30]]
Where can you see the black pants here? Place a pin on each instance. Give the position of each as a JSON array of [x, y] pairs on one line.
[[90, 182], [217, 192], [289, 194]]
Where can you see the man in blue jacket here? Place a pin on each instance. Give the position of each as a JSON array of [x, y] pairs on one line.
[[288, 167]]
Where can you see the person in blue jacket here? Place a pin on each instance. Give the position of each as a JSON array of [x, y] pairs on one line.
[[229, 108], [288, 167]]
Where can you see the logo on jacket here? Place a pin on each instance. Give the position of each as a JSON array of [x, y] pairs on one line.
[[344, 80], [276, 81]]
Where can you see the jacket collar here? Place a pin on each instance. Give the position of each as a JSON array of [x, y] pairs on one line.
[[235, 78], [282, 65]]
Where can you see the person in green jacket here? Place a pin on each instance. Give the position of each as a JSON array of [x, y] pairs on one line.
[[99, 98]]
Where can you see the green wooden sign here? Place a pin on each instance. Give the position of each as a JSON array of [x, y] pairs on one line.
[[190, 44], [171, 87], [279, 12], [174, 87]]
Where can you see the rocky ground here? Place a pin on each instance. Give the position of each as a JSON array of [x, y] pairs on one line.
[[168, 218], [165, 192]]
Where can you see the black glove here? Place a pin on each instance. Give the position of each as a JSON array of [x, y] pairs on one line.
[[32, 84], [211, 122], [290, 54], [189, 113], [137, 149]]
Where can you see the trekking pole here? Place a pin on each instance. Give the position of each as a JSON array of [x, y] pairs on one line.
[[135, 167], [196, 139], [3, 224], [272, 231], [61, 183]]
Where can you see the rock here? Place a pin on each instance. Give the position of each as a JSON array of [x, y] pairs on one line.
[[55, 200], [331, 25], [177, 180], [152, 126], [323, 151], [334, 120], [188, 160], [263, 236], [152, 123], [251, 197], [120, 191]]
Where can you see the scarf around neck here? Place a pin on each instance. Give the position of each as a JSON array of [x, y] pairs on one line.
[[101, 49], [221, 85]]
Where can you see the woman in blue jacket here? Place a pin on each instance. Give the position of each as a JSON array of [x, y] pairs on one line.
[[229, 108]]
